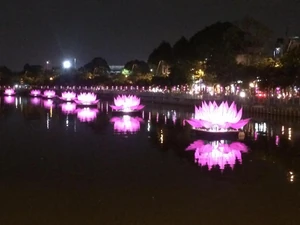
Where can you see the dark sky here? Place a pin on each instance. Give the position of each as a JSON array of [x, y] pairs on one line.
[[33, 31]]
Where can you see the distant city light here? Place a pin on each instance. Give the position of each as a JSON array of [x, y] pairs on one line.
[[67, 64]]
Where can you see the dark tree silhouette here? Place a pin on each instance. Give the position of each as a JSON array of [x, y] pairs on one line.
[[137, 66], [162, 52]]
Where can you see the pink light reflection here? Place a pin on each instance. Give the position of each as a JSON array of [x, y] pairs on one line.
[[9, 100], [126, 123], [48, 104], [68, 108], [217, 153], [9, 91], [35, 101], [87, 114]]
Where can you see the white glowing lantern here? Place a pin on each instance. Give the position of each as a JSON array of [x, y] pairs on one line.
[[67, 64]]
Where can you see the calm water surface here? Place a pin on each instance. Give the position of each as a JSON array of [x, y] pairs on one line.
[[56, 168]]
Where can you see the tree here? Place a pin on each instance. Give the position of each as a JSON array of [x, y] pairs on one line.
[[291, 59], [180, 74], [181, 50], [137, 66], [97, 66], [162, 52]]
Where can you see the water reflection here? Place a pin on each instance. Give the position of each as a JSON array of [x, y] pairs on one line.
[[126, 124], [9, 100], [48, 104], [68, 108], [35, 101], [217, 153], [87, 114]]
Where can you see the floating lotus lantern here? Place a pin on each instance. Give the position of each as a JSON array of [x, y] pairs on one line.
[[213, 118], [126, 123], [217, 153], [9, 92], [35, 93], [9, 99], [68, 108], [48, 104], [68, 96], [49, 94], [35, 101], [87, 99], [87, 114], [130, 103]]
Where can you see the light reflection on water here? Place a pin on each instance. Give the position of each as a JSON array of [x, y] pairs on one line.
[[164, 128]]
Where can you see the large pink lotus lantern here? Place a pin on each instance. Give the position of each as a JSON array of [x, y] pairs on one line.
[[9, 99], [49, 94], [9, 92], [218, 153], [126, 123], [68, 108], [68, 96], [214, 118], [87, 99], [35, 93], [87, 114], [128, 103], [35, 101], [48, 104]]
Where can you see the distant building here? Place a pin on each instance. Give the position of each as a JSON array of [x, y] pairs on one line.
[[116, 69]]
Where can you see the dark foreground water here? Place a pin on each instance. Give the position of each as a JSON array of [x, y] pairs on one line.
[[57, 169]]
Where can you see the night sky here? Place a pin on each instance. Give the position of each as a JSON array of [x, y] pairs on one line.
[[34, 31]]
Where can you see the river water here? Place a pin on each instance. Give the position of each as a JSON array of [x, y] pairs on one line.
[[61, 165]]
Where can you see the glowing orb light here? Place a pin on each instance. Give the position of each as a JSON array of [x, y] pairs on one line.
[[217, 153], [9, 99], [67, 64], [68, 96], [35, 101], [49, 94], [127, 103], [35, 93], [68, 108], [126, 123], [87, 114], [86, 99], [48, 104], [214, 118], [9, 92]]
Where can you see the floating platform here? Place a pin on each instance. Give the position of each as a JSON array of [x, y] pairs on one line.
[[217, 135], [129, 113]]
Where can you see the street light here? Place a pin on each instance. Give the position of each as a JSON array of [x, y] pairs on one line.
[[67, 64]]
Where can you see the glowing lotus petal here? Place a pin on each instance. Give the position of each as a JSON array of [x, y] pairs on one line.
[[9, 91], [9, 99], [49, 94], [35, 101], [68, 96], [48, 104], [68, 108], [218, 118], [35, 93], [217, 153], [86, 99], [127, 103], [126, 123], [87, 114]]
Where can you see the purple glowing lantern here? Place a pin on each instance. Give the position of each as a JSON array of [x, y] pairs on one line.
[[87, 114], [213, 118], [35, 93], [9, 100], [48, 104], [86, 99], [68, 96], [49, 94], [217, 153], [9, 92], [126, 124], [128, 103], [68, 108], [35, 101]]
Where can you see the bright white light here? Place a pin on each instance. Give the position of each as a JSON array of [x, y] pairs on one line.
[[67, 64], [242, 94]]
